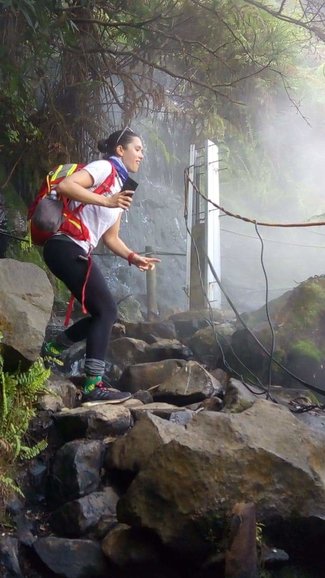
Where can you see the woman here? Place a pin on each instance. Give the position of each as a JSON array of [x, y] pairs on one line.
[[68, 258]]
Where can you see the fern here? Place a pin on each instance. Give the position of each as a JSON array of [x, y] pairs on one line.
[[28, 453], [9, 485], [18, 393]]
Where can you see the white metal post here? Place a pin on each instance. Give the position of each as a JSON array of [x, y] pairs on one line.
[[189, 222], [213, 223]]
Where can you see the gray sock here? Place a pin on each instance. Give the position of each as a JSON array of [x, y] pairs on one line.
[[94, 366]]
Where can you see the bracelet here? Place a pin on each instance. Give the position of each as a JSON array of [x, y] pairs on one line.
[[130, 257]]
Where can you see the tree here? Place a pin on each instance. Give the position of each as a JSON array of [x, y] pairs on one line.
[[69, 68]]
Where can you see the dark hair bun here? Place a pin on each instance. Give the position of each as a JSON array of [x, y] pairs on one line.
[[102, 146], [119, 137]]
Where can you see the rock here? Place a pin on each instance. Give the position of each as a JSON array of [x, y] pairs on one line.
[[37, 480], [164, 410], [95, 422], [61, 393], [188, 322], [145, 375], [181, 417], [151, 331], [118, 330], [94, 513], [205, 346], [209, 404], [237, 396], [129, 310], [298, 321], [74, 356], [72, 558], [26, 530], [125, 546], [192, 383], [264, 454], [271, 557], [26, 300], [220, 375], [9, 562], [144, 396], [127, 351], [133, 450], [167, 349], [76, 470], [241, 550]]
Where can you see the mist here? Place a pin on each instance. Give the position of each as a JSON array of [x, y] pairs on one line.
[[293, 143]]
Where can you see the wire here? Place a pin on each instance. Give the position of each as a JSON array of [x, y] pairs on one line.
[[13, 236], [211, 321], [218, 341], [267, 312], [238, 316], [247, 219], [302, 381], [274, 240]]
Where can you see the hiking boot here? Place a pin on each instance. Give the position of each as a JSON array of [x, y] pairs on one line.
[[102, 394], [53, 357]]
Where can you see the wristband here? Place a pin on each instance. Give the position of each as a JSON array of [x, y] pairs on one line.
[[130, 257]]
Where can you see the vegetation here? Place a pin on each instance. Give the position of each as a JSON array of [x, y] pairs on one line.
[[68, 66], [72, 70], [18, 394]]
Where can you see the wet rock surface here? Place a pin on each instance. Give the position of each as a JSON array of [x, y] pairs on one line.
[[144, 488]]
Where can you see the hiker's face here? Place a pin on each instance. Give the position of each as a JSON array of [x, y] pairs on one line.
[[132, 154]]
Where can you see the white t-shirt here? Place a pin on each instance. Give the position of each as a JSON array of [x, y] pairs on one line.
[[98, 219]]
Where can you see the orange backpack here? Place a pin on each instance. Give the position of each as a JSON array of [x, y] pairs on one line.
[[50, 212]]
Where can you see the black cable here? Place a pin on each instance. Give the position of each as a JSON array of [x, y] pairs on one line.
[[226, 364], [267, 313], [302, 381], [13, 236], [211, 321], [239, 375], [270, 354]]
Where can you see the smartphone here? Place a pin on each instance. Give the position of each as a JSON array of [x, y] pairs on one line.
[[129, 185]]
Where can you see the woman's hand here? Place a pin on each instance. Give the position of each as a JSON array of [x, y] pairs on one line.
[[121, 200], [144, 263]]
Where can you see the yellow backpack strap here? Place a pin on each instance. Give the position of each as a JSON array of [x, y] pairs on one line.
[[55, 174], [67, 170], [72, 169]]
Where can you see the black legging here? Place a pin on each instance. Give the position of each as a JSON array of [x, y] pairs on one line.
[[67, 261]]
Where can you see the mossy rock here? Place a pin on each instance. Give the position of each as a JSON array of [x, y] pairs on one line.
[[306, 349], [298, 320]]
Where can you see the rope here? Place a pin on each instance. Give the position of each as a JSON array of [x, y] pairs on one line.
[[238, 316], [247, 219]]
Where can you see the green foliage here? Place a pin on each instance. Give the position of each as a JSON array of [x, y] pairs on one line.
[[7, 484], [308, 303], [307, 349], [18, 394], [217, 65]]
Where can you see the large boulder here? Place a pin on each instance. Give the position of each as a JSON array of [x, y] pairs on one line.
[[299, 326], [192, 383], [263, 455], [72, 558], [145, 375], [26, 300], [188, 322]]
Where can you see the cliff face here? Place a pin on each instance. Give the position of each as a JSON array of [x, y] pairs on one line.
[[156, 219]]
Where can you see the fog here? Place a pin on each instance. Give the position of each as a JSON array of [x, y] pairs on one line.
[[282, 182], [294, 143]]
